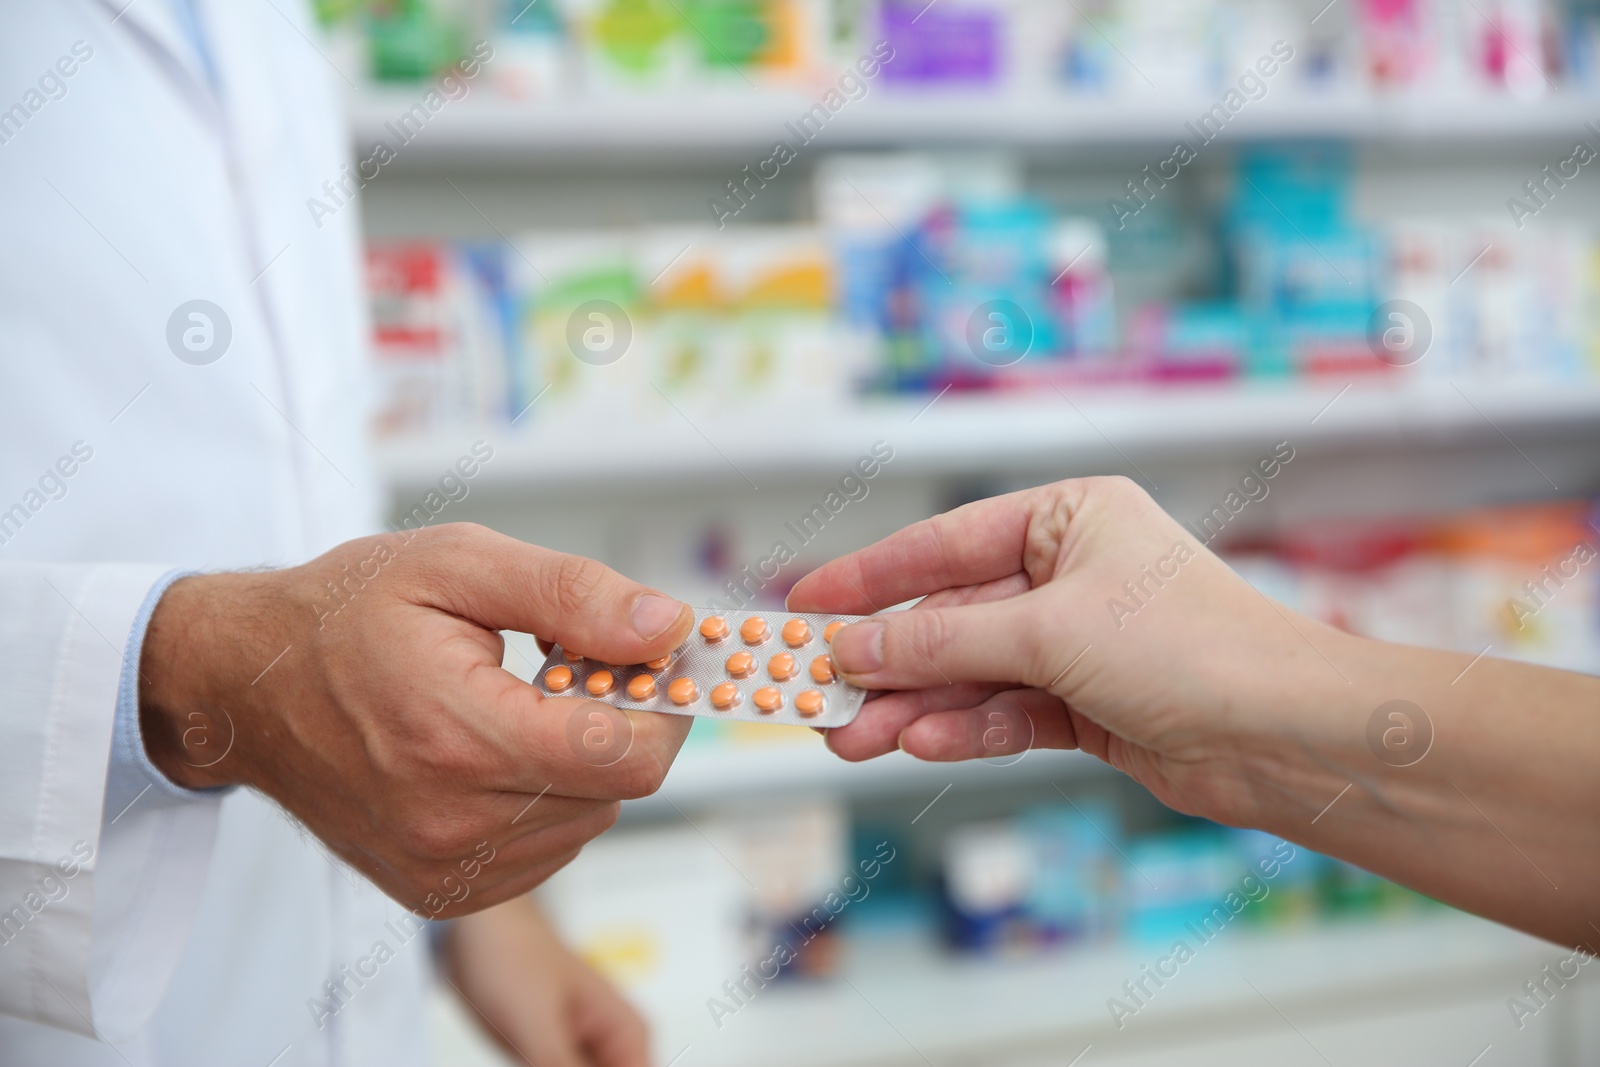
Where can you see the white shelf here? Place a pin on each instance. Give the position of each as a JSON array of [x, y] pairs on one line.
[[974, 434], [937, 1009], [911, 1001], [669, 123], [713, 772]]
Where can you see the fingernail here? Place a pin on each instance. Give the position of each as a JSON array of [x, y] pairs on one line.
[[653, 613], [858, 649]]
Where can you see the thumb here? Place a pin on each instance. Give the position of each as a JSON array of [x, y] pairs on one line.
[[999, 641], [501, 583]]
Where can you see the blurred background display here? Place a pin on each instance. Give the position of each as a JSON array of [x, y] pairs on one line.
[[679, 272]]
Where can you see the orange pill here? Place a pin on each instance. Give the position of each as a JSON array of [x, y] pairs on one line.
[[782, 667], [768, 699], [714, 628], [796, 632], [832, 628], [754, 630], [741, 664], [724, 696], [809, 704], [682, 691], [571, 656], [822, 670], [641, 687], [600, 683], [657, 664], [558, 679]]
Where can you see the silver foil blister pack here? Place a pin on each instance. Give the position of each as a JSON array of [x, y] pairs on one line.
[[735, 669]]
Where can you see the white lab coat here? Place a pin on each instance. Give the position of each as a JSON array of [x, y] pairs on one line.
[[197, 933]]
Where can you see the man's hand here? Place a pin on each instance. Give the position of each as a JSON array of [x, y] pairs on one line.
[[536, 1000], [363, 692]]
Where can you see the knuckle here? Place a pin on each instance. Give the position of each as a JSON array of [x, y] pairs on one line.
[[575, 830], [639, 778], [577, 580], [927, 639], [933, 533], [431, 554], [428, 539], [429, 757], [453, 758], [1036, 652], [1119, 487], [456, 534], [441, 839], [414, 889], [554, 865]]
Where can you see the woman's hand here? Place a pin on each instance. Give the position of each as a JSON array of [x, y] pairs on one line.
[[1080, 615], [1075, 615]]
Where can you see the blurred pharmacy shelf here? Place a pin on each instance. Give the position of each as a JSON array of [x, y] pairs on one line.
[[1411, 989], [1415, 987], [714, 771], [956, 434], [665, 124]]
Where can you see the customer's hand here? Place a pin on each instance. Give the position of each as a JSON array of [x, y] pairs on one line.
[[1073, 615], [1080, 615], [536, 1000], [363, 692]]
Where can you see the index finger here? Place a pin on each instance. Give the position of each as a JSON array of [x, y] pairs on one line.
[[501, 583], [978, 542], [575, 747]]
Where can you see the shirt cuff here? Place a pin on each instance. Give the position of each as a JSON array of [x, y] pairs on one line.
[[130, 776]]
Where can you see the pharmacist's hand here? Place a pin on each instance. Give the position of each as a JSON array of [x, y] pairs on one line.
[[540, 1003], [1077, 614], [363, 692]]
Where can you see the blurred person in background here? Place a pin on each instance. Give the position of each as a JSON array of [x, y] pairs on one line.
[[184, 389], [1081, 615]]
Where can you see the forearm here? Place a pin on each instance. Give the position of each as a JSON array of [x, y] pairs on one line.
[[1499, 814]]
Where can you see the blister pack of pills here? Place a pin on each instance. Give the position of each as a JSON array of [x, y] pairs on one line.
[[749, 666]]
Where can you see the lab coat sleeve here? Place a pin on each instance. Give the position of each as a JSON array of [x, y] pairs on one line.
[[95, 900]]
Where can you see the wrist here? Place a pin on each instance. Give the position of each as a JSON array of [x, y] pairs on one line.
[[185, 718], [1306, 741]]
